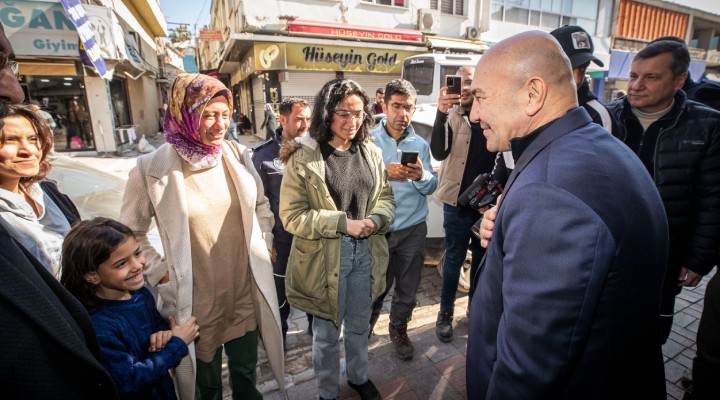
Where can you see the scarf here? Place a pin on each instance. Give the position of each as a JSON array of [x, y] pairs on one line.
[[189, 95]]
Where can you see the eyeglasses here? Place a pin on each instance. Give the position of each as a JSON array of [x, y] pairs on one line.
[[6, 62], [346, 115], [397, 107]]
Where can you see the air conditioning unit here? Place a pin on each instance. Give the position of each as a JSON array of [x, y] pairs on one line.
[[472, 33], [429, 21]]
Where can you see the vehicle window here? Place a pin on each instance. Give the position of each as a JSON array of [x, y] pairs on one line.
[[422, 130], [420, 73]]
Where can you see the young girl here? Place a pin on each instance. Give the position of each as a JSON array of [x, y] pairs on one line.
[[103, 267]]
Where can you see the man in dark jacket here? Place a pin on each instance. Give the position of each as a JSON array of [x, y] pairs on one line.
[[48, 348], [678, 141], [567, 298], [294, 122]]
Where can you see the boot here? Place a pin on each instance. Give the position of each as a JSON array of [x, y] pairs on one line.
[[401, 341], [367, 390], [443, 326], [373, 320]]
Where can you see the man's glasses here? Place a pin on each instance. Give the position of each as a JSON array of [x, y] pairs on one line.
[[346, 115], [6, 62], [397, 107]]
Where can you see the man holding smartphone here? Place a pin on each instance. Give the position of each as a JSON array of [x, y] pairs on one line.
[[407, 162], [460, 144]]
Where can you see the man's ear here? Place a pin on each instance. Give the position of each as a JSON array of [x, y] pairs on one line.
[[536, 91], [679, 80], [283, 121], [92, 277]]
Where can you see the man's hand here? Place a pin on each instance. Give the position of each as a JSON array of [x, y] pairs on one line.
[[447, 101], [688, 278], [399, 172], [488, 224], [273, 254]]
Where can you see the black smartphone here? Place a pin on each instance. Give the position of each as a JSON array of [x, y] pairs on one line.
[[408, 157], [454, 84]]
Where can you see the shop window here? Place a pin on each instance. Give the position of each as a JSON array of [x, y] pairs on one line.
[[453, 7], [63, 97]]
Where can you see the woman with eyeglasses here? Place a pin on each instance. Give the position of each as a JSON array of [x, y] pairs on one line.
[[32, 209], [336, 201]]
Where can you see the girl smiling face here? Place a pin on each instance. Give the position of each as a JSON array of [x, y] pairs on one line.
[[120, 274]]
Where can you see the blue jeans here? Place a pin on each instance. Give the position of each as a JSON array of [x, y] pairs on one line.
[[457, 223], [231, 132], [354, 306]]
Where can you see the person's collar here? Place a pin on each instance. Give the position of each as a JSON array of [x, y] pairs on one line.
[[518, 145], [653, 116]]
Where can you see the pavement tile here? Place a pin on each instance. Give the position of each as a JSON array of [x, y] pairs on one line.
[[457, 379], [451, 364], [672, 348], [428, 383], [404, 396], [393, 388], [674, 392], [684, 319], [673, 371]]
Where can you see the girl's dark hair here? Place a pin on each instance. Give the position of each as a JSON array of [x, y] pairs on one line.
[[43, 132], [89, 244], [327, 99]]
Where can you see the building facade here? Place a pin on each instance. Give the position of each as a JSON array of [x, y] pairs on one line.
[[274, 49], [270, 50], [91, 113]]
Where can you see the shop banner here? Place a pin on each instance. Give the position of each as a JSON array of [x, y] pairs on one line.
[[37, 28], [313, 57], [79, 18]]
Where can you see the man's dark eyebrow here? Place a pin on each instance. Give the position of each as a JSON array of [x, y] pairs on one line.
[[477, 92]]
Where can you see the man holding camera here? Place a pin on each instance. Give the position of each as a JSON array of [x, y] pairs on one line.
[[460, 144], [407, 162]]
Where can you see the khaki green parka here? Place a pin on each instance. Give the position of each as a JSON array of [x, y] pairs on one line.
[[308, 212]]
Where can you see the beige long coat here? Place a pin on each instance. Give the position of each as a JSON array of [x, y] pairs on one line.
[[155, 189]]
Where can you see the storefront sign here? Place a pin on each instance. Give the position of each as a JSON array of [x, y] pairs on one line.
[[38, 28], [77, 15], [357, 32], [342, 58], [214, 35], [269, 56]]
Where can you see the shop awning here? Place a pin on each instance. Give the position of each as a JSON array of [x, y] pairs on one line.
[[450, 45]]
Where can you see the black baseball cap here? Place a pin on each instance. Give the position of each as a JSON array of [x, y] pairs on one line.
[[577, 44]]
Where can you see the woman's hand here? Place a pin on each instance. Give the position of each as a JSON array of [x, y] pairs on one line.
[[360, 229]]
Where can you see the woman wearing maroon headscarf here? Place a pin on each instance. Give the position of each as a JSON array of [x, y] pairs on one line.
[[214, 222]]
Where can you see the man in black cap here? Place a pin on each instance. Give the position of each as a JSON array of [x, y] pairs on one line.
[[578, 46]]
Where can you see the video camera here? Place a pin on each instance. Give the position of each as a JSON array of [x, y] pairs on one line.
[[483, 191]]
